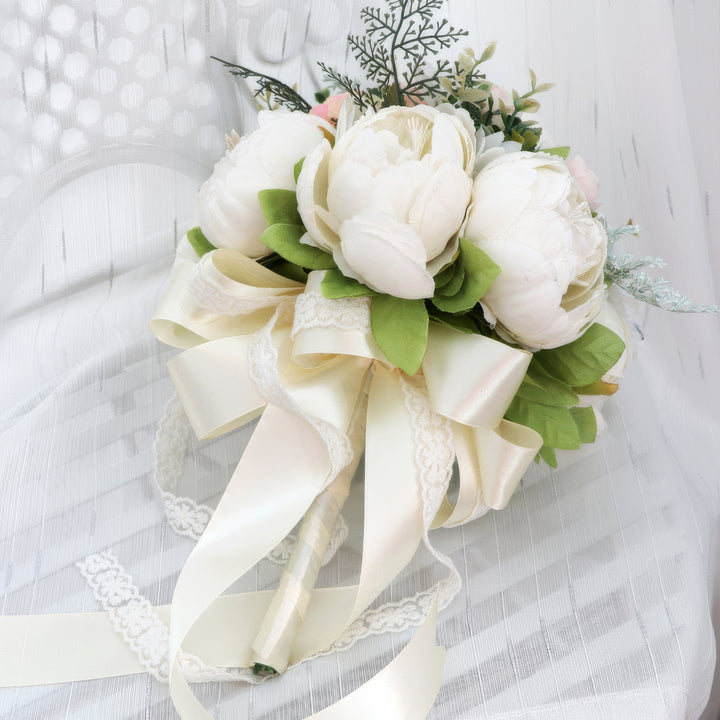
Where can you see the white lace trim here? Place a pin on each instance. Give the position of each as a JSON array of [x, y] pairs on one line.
[[134, 619], [183, 514], [263, 371], [434, 456], [394, 616], [313, 310], [433, 442], [206, 293]]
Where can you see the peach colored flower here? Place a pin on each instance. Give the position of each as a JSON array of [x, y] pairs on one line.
[[587, 180], [330, 109], [499, 93]]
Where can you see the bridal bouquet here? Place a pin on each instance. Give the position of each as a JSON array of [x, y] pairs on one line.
[[404, 272]]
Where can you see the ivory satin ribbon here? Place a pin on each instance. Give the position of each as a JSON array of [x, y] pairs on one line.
[[406, 688], [248, 352]]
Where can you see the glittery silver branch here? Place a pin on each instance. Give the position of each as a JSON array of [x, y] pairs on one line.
[[628, 273]]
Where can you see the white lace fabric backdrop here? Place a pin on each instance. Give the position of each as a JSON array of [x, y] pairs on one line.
[[592, 594]]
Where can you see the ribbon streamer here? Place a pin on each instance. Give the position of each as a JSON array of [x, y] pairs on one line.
[[494, 453], [257, 343]]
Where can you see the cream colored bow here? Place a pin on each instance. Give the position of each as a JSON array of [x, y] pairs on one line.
[[256, 342]]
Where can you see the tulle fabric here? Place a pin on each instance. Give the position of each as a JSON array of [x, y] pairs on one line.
[[592, 594]]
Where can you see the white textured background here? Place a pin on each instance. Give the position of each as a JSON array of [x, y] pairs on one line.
[[591, 595]]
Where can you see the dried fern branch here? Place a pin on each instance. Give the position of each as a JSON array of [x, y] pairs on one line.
[[269, 86], [394, 50]]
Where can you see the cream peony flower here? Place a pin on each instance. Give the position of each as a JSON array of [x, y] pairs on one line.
[[531, 217], [227, 204], [388, 199]]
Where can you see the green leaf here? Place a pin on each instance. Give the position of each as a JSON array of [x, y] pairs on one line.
[[598, 388], [480, 273], [527, 105], [488, 52], [279, 206], [530, 140], [285, 241], [400, 328], [533, 79], [200, 244], [322, 95], [391, 97], [585, 360], [473, 95], [586, 422], [540, 387], [335, 285], [555, 424], [298, 167], [444, 276], [562, 152], [291, 271], [548, 455], [453, 285], [463, 323]]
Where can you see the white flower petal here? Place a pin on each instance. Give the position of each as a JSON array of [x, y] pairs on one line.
[[439, 208], [349, 114], [436, 264], [446, 143], [311, 190], [350, 189], [386, 255]]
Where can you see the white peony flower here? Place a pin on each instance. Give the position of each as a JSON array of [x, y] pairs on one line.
[[227, 204], [388, 199], [531, 217]]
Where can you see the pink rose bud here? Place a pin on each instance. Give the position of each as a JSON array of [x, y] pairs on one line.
[[330, 109], [499, 93], [586, 179]]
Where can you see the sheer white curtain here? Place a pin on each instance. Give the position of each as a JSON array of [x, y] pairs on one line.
[[592, 594]]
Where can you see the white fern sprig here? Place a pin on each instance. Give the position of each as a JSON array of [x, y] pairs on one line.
[[628, 273]]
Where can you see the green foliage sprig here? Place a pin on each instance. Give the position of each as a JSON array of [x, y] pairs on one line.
[[517, 127], [398, 54], [628, 273], [270, 89], [547, 400]]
